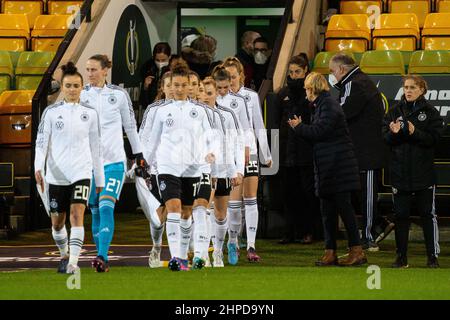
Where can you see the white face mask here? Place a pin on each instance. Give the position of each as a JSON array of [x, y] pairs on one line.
[[161, 65], [332, 80], [260, 58]]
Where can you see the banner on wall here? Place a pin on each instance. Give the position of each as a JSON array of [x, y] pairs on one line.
[[132, 48]]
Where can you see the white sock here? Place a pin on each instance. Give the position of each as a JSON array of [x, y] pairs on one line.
[[251, 219], [234, 220], [157, 234], [191, 241], [220, 232], [173, 233], [209, 229], [75, 244], [201, 240], [242, 228], [61, 241], [185, 233]]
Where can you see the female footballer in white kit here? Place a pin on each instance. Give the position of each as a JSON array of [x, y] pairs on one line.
[[68, 150]]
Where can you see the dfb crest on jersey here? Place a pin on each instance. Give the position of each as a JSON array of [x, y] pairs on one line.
[[193, 113], [84, 117], [234, 104], [170, 122], [162, 186], [422, 117], [247, 98], [59, 125], [112, 99]]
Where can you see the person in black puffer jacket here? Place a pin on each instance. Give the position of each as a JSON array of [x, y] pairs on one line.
[[297, 169], [336, 169], [412, 129]]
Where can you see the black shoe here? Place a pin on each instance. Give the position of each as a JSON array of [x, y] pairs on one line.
[[62, 267], [387, 230], [433, 262], [100, 265], [400, 262]]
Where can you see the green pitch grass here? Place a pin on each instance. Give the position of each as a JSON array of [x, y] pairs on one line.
[[286, 272]]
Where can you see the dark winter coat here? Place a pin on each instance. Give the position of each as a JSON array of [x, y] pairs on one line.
[[291, 100], [149, 68], [364, 110], [412, 156], [335, 165]]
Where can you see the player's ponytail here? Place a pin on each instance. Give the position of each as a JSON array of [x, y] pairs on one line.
[[220, 73], [70, 69]]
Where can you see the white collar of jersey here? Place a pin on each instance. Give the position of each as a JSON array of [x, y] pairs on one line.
[[72, 103]]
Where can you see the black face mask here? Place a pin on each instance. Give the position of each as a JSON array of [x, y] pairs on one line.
[[296, 86]]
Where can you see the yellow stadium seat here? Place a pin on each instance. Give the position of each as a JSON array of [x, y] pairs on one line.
[[444, 7], [49, 31], [63, 7], [397, 31], [15, 117], [436, 32], [6, 71], [420, 8], [430, 62], [14, 32], [30, 69], [383, 62], [360, 7], [348, 32], [322, 61], [32, 8]]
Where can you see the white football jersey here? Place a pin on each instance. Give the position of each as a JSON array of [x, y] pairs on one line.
[[115, 110], [68, 144]]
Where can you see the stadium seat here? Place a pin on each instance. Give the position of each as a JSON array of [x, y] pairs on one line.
[[444, 7], [30, 69], [322, 61], [348, 32], [430, 62], [6, 71], [398, 31], [63, 7], [383, 62], [421, 8], [436, 32], [15, 117], [14, 32], [359, 7], [49, 31], [31, 8]]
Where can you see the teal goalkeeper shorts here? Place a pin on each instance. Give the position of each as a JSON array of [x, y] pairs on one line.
[[114, 180]]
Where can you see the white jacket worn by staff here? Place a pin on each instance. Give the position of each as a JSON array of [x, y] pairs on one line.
[[68, 145], [115, 110], [256, 123], [182, 135]]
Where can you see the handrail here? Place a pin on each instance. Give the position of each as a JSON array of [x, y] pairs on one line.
[[40, 102]]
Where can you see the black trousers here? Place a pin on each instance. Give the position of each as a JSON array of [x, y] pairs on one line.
[[301, 206], [426, 209], [331, 206]]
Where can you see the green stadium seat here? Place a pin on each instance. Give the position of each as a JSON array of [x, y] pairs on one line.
[[14, 32], [383, 62], [6, 71], [322, 61], [15, 117], [430, 62], [30, 69]]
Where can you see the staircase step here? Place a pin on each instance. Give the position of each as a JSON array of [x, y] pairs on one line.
[[21, 157], [22, 186]]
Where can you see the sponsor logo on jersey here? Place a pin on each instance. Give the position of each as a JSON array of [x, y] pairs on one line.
[[170, 122], [84, 117], [234, 104], [193, 113], [162, 186], [59, 125], [112, 99], [422, 117]]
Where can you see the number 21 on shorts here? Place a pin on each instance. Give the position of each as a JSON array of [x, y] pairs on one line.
[[113, 183]]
